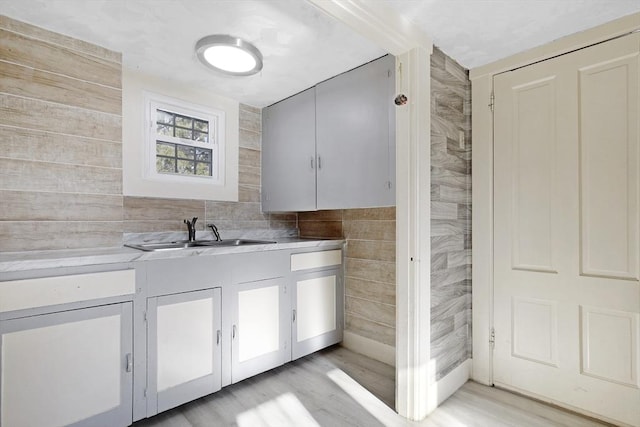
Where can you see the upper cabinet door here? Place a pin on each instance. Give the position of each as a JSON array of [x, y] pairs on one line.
[[355, 132], [288, 154]]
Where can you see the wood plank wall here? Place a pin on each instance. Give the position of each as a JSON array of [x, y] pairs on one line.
[[61, 152], [450, 214], [370, 270], [61, 139]]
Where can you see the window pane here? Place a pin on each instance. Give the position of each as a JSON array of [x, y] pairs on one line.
[[203, 155], [203, 169], [183, 133], [186, 167], [165, 130], [201, 125], [185, 122], [200, 136], [185, 152], [165, 165], [164, 117], [165, 149]]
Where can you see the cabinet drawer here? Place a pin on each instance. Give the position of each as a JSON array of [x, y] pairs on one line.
[[311, 260], [32, 293]]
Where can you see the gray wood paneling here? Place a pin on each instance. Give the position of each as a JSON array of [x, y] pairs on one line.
[[370, 329], [38, 206], [26, 175], [42, 235], [450, 214], [42, 55], [42, 146], [377, 291], [60, 128], [59, 39], [31, 83], [46, 116]]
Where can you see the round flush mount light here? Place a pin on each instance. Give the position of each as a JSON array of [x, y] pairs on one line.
[[229, 55]]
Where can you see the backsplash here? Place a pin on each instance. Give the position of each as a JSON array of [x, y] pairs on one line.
[[60, 131], [370, 270], [450, 214]]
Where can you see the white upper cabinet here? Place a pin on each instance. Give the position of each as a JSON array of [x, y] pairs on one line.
[[288, 154], [355, 137], [333, 146]]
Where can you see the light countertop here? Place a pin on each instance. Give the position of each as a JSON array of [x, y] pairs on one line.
[[34, 260]]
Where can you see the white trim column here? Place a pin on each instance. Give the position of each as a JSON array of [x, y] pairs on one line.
[[416, 394]]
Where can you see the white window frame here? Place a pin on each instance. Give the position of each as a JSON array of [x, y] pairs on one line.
[[216, 144]]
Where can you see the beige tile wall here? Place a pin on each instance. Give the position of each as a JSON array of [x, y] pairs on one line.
[[144, 215], [61, 152], [370, 270], [60, 133]]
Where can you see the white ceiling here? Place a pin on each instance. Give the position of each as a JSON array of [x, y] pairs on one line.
[[301, 46]]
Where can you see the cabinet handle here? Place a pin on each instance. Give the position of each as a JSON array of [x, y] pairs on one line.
[[319, 162], [218, 336], [312, 162], [233, 332], [294, 315], [129, 362]]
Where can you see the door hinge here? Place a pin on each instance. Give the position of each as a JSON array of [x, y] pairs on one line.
[[492, 101], [145, 392], [492, 338]]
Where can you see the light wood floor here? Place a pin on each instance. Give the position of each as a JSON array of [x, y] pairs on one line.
[[327, 389]]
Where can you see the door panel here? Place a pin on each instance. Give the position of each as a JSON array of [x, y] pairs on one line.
[[288, 154], [609, 168], [261, 327], [66, 368], [532, 174], [184, 348], [566, 259], [318, 311], [356, 160]]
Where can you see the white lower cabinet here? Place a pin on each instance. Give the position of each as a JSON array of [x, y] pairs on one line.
[[261, 327], [184, 354], [317, 311], [67, 368]]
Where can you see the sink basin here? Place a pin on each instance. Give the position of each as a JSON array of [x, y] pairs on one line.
[[166, 246]]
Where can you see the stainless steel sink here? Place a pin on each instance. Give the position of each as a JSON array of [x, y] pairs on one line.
[[167, 246]]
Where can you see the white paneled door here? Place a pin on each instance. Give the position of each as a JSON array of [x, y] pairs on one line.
[[566, 230]]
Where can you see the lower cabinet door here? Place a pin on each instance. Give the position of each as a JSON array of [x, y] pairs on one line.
[[67, 368], [261, 327], [184, 356], [317, 312]]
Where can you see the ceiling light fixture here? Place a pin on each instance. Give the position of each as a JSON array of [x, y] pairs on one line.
[[229, 55]]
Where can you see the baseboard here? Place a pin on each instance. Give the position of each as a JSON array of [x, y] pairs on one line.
[[376, 350], [454, 380]]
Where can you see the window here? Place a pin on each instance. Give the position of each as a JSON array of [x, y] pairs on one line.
[[184, 142]]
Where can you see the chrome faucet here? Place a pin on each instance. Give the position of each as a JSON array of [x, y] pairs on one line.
[[191, 227], [215, 231]]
